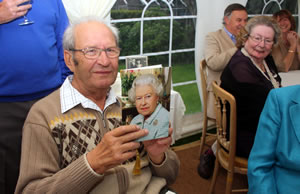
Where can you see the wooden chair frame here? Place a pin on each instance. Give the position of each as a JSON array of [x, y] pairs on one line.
[[226, 149], [203, 74]]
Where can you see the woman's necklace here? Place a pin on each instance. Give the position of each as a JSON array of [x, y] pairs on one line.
[[264, 69]]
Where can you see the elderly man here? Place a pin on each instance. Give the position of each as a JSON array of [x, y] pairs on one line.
[[72, 141], [220, 47]]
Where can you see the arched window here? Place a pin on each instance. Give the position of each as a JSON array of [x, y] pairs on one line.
[[163, 30]]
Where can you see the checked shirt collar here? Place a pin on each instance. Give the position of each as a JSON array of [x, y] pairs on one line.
[[71, 97]]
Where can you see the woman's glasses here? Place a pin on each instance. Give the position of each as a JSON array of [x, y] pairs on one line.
[[259, 39]]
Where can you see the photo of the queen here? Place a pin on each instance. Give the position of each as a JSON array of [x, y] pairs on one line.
[[145, 92]]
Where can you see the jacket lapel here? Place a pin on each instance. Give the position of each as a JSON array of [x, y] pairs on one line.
[[294, 115], [227, 38]]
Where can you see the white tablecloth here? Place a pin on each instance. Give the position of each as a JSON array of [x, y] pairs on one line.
[[290, 78], [177, 109]]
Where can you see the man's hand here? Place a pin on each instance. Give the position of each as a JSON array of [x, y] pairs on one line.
[[156, 147], [115, 147], [10, 10]]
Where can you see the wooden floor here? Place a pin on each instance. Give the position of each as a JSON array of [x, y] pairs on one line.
[[189, 182]]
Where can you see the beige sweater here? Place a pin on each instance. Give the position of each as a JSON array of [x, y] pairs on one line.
[[279, 52], [53, 156]]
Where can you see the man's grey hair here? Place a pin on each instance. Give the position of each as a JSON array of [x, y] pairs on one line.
[[146, 79], [69, 34], [232, 7]]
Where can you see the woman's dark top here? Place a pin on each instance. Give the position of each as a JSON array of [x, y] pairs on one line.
[[250, 88]]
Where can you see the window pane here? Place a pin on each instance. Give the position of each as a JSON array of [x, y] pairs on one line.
[[184, 33], [183, 67], [127, 15], [190, 96], [129, 38], [156, 36], [258, 6]]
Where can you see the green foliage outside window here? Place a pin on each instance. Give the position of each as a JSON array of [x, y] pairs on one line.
[[156, 39], [156, 35], [256, 6]]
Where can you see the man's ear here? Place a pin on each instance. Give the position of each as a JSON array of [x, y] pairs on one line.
[[226, 19], [69, 60]]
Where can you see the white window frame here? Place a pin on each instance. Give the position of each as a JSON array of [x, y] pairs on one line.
[[171, 17]]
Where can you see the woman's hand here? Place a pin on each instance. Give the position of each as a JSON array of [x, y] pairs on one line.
[[292, 38], [156, 148]]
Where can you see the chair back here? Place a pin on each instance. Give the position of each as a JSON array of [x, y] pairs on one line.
[[203, 75], [225, 118], [226, 147]]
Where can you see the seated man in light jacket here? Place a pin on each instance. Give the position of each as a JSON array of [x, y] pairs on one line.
[[219, 48]]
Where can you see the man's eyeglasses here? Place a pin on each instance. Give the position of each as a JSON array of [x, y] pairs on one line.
[[258, 39], [93, 53]]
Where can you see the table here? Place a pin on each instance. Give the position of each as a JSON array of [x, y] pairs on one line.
[[177, 109], [290, 78]]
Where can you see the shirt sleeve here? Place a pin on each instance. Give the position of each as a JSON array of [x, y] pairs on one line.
[[169, 169], [163, 116], [262, 157]]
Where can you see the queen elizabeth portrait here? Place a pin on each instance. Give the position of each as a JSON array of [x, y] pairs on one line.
[[146, 91]]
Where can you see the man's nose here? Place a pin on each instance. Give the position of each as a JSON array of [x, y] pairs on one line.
[[103, 59]]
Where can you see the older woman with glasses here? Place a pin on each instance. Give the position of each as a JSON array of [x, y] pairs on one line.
[[250, 75], [287, 52]]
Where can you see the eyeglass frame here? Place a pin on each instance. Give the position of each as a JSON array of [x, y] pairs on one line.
[[99, 51], [261, 39]]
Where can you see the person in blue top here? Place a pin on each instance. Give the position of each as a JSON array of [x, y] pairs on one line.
[[145, 92], [31, 67], [274, 162]]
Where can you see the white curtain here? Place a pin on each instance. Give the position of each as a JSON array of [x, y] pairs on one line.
[[79, 8], [209, 18]]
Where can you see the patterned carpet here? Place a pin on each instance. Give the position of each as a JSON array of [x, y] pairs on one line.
[[189, 182]]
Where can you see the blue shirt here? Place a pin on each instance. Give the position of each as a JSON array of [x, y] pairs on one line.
[[232, 37], [31, 56], [157, 124]]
